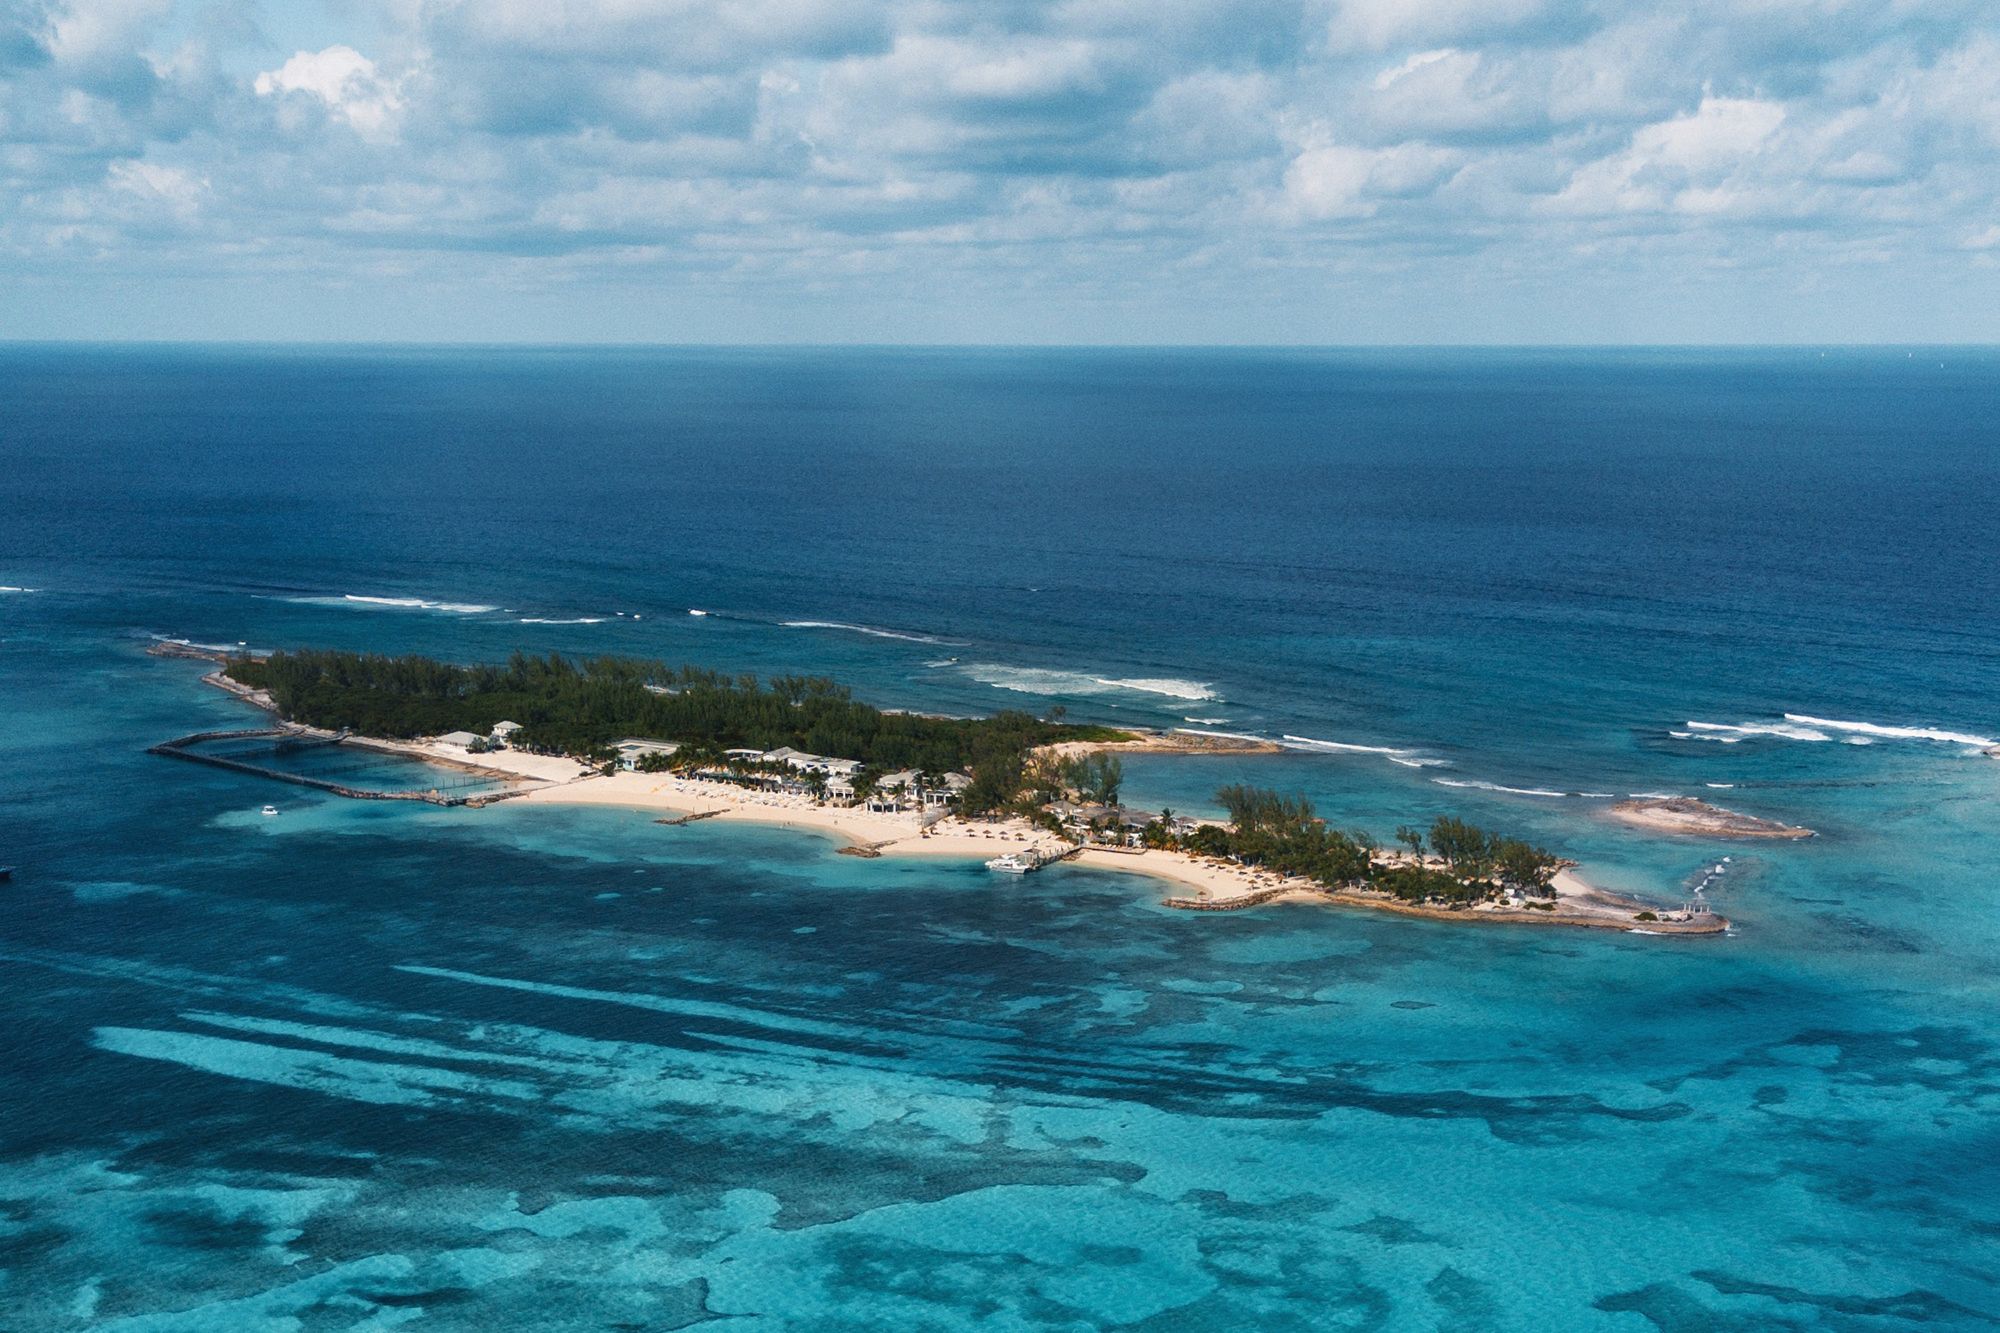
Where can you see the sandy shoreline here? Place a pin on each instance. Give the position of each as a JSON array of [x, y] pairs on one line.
[[1214, 885]]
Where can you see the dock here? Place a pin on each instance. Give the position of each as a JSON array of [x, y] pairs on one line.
[[293, 738], [679, 820]]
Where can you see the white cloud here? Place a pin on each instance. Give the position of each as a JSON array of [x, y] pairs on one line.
[[1098, 142], [1686, 163], [1342, 181], [346, 81], [170, 188], [1375, 25], [90, 31], [1395, 73]]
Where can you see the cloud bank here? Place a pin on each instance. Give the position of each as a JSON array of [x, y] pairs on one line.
[[1312, 170]]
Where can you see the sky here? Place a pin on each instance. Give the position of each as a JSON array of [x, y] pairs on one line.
[[998, 171]]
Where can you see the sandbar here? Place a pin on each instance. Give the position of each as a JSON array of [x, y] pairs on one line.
[[1685, 814]]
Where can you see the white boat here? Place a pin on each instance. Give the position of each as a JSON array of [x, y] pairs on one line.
[[1015, 863], [270, 809]]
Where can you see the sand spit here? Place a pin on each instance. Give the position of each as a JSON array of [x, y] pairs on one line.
[[1167, 742], [1685, 814]]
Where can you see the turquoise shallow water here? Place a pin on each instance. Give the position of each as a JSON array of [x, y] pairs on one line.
[[366, 1065]]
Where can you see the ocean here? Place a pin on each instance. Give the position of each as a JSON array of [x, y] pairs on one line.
[[364, 1065]]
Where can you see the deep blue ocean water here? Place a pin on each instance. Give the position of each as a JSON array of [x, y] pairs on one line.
[[366, 1065]]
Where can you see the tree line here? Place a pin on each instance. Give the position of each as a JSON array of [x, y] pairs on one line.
[[1454, 862], [581, 708]]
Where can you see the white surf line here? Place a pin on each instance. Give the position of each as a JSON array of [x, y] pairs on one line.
[[1404, 755], [1895, 733]]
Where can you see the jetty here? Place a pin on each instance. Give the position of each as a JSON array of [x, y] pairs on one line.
[[1234, 903], [292, 739]]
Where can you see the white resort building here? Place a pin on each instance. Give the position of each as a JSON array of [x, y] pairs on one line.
[[909, 790], [634, 748]]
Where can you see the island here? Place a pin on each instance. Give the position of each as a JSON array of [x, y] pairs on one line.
[[1685, 814], [1019, 791]]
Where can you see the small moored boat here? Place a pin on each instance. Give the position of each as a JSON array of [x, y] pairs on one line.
[[1016, 863], [270, 809]]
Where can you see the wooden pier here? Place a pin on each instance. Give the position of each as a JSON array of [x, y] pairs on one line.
[[297, 738]]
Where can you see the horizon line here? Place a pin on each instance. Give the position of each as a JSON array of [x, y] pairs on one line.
[[968, 346]]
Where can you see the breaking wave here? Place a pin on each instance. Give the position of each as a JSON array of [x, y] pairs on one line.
[[1481, 785], [1875, 729], [1731, 734], [873, 631], [8, 587], [1804, 727], [362, 602], [1031, 680], [1394, 754], [205, 647], [574, 620]]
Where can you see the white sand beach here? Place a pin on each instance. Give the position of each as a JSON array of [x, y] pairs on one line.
[[1208, 884], [1203, 882]]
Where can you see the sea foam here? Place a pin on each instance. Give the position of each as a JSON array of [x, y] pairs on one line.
[[873, 631], [361, 601], [1394, 754], [1731, 733], [1876, 729], [1032, 680], [1805, 727], [1482, 785]]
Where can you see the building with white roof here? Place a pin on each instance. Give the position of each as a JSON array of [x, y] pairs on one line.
[[634, 748]]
